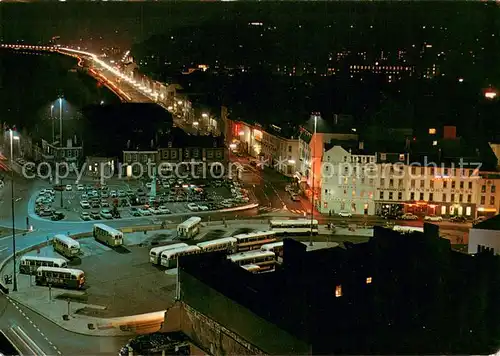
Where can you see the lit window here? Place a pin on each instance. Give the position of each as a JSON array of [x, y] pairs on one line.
[[338, 291], [368, 280], [432, 131], [434, 143]]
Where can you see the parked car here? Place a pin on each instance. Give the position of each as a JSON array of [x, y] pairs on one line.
[[121, 194], [59, 187], [80, 187], [106, 214], [95, 215], [85, 216], [57, 216], [85, 204], [193, 207], [433, 218], [144, 212], [135, 212], [458, 219], [345, 214], [163, 210], [479, 219], [95, 204], [69, 187], [113, 194], [104, 194], [116, 214], [409, 216], [203, 207], [46, 212], [295, 197], [104, 203]]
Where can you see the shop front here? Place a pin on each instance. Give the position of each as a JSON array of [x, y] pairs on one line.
[[384, 208], [446, 210]]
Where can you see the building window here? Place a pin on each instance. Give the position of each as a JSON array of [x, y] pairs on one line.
[[443, 210], [452, 184], [421, 196], [412, 196], [432, 131], [381, 195], [338, 291], [413, 183], [483, 200], [468, 211], [470, 185], [444, 198], [400, 195], [289, 148], [413, 170], [431, 184], [493, 189], [483, 189], [368, 280], [390, 195], [422, 184], [445, 184], [492, 200], [469, 198], [461, 185], [431, 197], [382, 182], [452, 198], [460, 198], [391, 182]]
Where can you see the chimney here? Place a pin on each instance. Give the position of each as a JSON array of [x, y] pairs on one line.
[[128, 144], [152, 143], [75, 141], [361, 145], [450, 132]]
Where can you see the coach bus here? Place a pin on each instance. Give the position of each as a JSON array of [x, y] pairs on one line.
[[66, 246], [251, 268], [225, 244], [254, 240], [60, 277], [108, 235], [189, 228], [169, 257], [29, 264], [155, 252], [264, 259], [276, 247], [407, 229], [296, 226]]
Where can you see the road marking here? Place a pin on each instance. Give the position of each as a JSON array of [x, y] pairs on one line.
[[4, 249]]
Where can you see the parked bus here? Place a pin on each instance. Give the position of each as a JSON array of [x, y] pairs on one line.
[[155, 252], [108, 235], [225, 244], [251, 268], [169, 257], [407, 229], [29, 264], [254, 240], [66, 246], [189, 228], [60, 277], [276, 247], [297, 226], [264, 259]]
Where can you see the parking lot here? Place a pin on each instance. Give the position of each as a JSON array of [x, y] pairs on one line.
[[116, 200]]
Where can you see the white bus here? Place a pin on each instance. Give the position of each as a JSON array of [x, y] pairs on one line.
[[407, 229], [276, 247], [169, 258], [60, 277], [264, 259], [254, 240], [225, 244], [155, 252], [108, 235], [189, 228], [29, 264], [66, 246], [251, 268], [296, 226]]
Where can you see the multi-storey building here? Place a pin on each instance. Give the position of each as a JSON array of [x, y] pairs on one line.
[[347, 181], [488, 194]]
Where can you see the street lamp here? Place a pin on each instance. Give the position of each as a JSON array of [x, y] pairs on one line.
[[312, 185], [52, 119], [60, 122], [12, 138]]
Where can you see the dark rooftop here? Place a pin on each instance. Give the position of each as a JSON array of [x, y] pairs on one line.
[[489, 224]]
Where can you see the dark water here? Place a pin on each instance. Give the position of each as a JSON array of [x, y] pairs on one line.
[[31, 83]]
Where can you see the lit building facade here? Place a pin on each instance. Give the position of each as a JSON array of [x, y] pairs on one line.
[[487, 195], [347, 182]]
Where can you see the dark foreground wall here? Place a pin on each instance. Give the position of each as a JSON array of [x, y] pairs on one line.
[[240, 332]]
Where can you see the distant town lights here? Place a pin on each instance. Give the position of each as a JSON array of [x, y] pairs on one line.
[[490, 95], [460, 80], [204, 115]]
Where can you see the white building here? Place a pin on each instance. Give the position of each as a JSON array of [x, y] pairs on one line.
[[485, 236], [488, 194], [347, 182]]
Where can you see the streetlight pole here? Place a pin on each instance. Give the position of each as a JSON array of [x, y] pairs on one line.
[[312, 185], [60, 122], [52, 119], [13, 213]]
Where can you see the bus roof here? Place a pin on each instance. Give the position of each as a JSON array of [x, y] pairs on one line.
[[107, 228], [251, 267], [61, 270], [170, 253], [67, 239], [272, 245], [294, 221], [167, 247], [193, 220], [249, 254], [255, 234], [210, 243], [407, 228], [47, 259]]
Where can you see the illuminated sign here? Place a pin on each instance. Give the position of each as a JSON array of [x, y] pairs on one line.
[[257, 134]]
